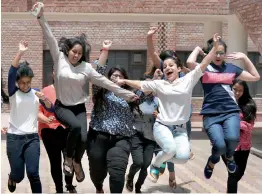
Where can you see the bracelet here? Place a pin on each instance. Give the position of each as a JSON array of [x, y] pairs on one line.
[[104, 49]]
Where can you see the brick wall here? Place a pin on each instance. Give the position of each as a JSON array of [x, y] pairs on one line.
[[125, 35], [250, 15], [125, 6], [14, 31]]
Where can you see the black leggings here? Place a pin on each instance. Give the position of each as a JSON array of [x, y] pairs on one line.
[[73, 117], [55, 142], [142, 153], [241, 158], [108, 153]]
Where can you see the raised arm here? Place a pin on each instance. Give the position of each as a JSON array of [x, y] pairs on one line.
[[104, 53], [251, 74], [23, 46], [207, 60], [151, 48], [191, 61], [50, 38]]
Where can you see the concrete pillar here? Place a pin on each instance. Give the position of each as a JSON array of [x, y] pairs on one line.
[[210, 28], [237, 38]]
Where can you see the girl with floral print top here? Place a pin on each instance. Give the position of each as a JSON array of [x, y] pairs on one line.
[[109, 136]]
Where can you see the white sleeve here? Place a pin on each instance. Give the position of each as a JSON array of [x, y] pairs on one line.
[[149, 86], [194, 76]]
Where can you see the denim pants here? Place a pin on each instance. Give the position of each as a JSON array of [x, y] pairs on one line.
[[24, 151], [223, 131], [173, 142]]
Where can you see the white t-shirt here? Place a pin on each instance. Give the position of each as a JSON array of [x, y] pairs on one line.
[[174, 98], [23, 113]]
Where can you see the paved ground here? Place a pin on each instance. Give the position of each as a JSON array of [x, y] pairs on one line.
[[189, 176]]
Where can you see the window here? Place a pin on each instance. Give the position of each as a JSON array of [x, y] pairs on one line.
[[134, 62]]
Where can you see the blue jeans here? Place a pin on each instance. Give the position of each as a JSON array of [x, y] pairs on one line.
[[173, 142], [24, 150], [223, 131]]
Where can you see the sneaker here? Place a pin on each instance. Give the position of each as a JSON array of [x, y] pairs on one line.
[[11, 185], [71, 188], [162, 169], [231, 166], [154, 172], [129, 184], [138, 191], [208, 170]]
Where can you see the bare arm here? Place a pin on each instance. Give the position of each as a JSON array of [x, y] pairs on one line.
[[191, 61], [42, 118], [132, 83], [23, 46], [207, 60], [104, 53], [151, 48], [251, 74]]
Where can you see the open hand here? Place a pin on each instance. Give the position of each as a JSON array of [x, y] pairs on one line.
[[38, 9], [107, 44], [152, 31], [236, 56], [40, 95], [4, 130], [23, 46], [216, 39]]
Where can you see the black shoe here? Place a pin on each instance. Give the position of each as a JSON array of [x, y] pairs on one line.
[[71, 188], [60, 190], [11, 185], [129, 184], [138, 188]]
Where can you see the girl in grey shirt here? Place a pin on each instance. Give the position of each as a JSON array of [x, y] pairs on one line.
[[72, 74]]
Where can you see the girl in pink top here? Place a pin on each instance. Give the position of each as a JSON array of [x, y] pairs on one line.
[[248, 115]]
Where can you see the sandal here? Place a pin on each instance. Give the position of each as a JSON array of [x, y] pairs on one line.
[[172, 184], [68, 166], [79, 172], [11, 184]]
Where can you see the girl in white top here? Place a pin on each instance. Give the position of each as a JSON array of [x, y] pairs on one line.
[[72, 74], [23, 147], [174, 96]]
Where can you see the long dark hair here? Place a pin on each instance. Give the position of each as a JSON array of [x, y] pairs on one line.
[[246, 104], [4, 96], [66, 44], [99, 98]]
